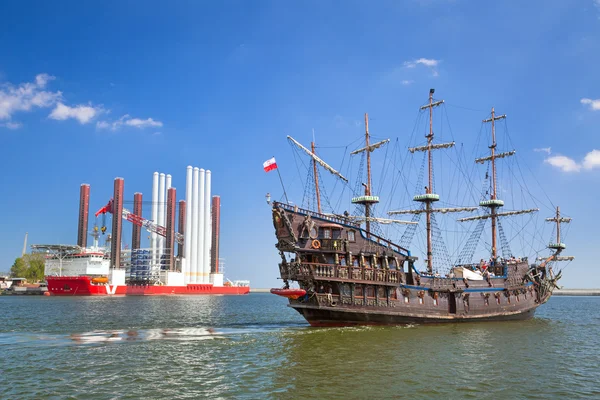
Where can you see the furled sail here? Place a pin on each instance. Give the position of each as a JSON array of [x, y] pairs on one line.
[[499, 155], [502, 214], [371, 147], [318, 160], [436, 210], [432, 147], [383, 220]]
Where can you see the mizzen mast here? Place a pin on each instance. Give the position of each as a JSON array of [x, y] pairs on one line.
[[316, 160], [368, 199]]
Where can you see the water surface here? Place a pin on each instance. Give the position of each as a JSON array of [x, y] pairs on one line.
[[254, 347]]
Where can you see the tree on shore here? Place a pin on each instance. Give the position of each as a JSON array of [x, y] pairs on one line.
[[30, 267]]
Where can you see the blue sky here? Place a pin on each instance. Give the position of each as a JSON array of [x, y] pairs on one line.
[[124, 88]]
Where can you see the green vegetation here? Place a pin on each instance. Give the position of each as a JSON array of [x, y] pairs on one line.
[[30, 267]]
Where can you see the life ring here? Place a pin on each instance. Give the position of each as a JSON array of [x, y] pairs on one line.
[[316, 244]]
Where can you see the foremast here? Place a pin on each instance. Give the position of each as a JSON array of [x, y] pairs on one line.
[[493, 203], [430, 197]]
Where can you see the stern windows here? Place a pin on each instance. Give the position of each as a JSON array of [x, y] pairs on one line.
[[352, 236], [358, 291], [326, 233], [370, 291]]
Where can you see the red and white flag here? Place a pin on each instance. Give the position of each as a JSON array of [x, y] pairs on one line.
[[270, 165]]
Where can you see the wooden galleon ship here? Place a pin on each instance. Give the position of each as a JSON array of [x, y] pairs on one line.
[[337, 271]]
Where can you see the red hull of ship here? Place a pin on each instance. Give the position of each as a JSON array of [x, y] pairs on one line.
[[83, 286]]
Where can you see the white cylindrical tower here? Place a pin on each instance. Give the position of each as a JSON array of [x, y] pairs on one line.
[[161, 213], [207, 228], [194, 232], [167, 187], [154, 236], [187, 234], [200, 242]]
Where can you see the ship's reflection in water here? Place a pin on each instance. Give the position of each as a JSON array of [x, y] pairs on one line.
[[116, 336]]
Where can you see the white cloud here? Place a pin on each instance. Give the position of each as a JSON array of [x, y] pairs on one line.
[[407, 82], [591, 160], [563, 163], [26, 96], [102, 125], [143, 123], [81, 113], [427, 62], [594, 104], [30, 95], [128, 121], [11, 125], [567, 164], [547, 150], [42, 79]]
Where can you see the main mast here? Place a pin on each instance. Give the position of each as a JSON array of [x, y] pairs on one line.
[[429, 197]]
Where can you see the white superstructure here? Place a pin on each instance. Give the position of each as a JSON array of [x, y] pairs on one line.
[[88, 262]]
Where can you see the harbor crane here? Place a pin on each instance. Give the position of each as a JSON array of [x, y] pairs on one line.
[[138, 220]]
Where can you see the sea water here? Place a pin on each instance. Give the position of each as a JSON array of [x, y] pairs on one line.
[[255, 347]]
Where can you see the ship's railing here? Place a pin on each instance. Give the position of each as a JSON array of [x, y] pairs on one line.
[[387, 243], [332, 218], [325, 271], [332, 244], [345, 221]]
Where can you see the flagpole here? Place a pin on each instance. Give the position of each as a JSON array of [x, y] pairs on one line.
[[283, 187]]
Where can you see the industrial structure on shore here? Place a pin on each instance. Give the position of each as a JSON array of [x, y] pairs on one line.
[[182, 261]]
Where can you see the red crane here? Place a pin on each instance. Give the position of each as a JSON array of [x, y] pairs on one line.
[[149, 225]]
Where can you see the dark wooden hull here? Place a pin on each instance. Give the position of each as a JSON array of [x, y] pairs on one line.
[[354, 278], [330, 317]]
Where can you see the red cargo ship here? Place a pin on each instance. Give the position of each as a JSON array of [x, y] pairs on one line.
[[72, 271], [86, 286]]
